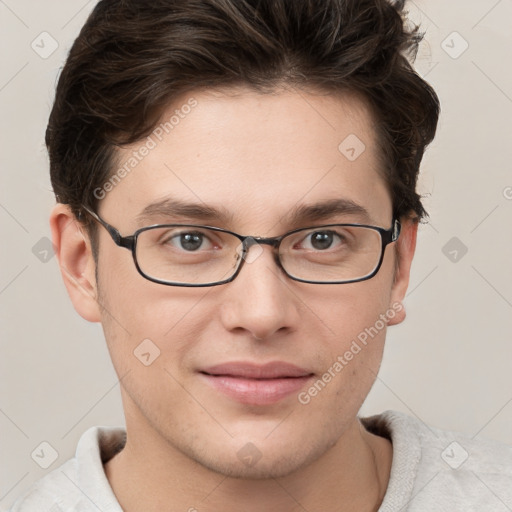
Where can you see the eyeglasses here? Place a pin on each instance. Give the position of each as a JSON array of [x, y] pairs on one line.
[[192, 255]]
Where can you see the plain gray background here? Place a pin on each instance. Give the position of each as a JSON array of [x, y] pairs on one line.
[[449, 364]]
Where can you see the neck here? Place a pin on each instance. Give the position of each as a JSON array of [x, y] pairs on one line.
[[150, 474]]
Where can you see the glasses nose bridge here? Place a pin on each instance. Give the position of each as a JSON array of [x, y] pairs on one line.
[[249, 241], [261, 240]]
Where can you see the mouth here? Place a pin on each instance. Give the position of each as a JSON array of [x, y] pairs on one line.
[[253, 384]]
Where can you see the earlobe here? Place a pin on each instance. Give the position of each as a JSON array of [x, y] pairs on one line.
[[405, 247], [76, 261]]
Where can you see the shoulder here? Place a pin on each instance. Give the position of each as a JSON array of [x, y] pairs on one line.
[[80, 483], [52, 493], [452, 450], [440, 469]]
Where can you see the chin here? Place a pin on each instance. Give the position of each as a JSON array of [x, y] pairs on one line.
[[262, 459], [263, 469]]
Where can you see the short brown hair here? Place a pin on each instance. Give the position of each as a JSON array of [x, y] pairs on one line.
[[133, 57]]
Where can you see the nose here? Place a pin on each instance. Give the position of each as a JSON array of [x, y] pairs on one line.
[[260, 300]]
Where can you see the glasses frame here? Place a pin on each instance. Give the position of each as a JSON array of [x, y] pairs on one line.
[[129, 242]]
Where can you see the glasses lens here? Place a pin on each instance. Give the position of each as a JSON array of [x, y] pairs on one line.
[[331, 253], [187, 254]]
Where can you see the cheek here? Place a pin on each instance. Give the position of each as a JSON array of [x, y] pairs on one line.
[[331, 401], [348, 310], [350, 370], [356, 316], [149, 337], [141, 317]]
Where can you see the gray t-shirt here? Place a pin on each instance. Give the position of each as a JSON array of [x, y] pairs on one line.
[[433, 470]]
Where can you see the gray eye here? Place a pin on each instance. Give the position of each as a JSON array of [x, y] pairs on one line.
[[321, 240], [189, 241]]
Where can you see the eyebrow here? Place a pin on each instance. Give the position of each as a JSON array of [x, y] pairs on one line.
[[324, 210], [176, 208]]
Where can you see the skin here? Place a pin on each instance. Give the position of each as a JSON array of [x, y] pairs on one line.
[[258, 156]]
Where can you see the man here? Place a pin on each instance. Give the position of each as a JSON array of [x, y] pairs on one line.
[[237, 207]]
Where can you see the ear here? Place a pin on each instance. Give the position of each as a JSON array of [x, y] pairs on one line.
[[77, 266], [405, 247]]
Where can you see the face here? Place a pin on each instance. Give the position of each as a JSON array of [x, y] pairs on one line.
[[300, 357]]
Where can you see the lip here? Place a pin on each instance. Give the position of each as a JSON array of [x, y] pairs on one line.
[[253, 384]]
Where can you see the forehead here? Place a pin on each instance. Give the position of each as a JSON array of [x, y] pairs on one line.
[[256, 157]]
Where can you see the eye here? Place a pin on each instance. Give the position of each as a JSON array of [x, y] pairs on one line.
[[190, 241], [323, 240]]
